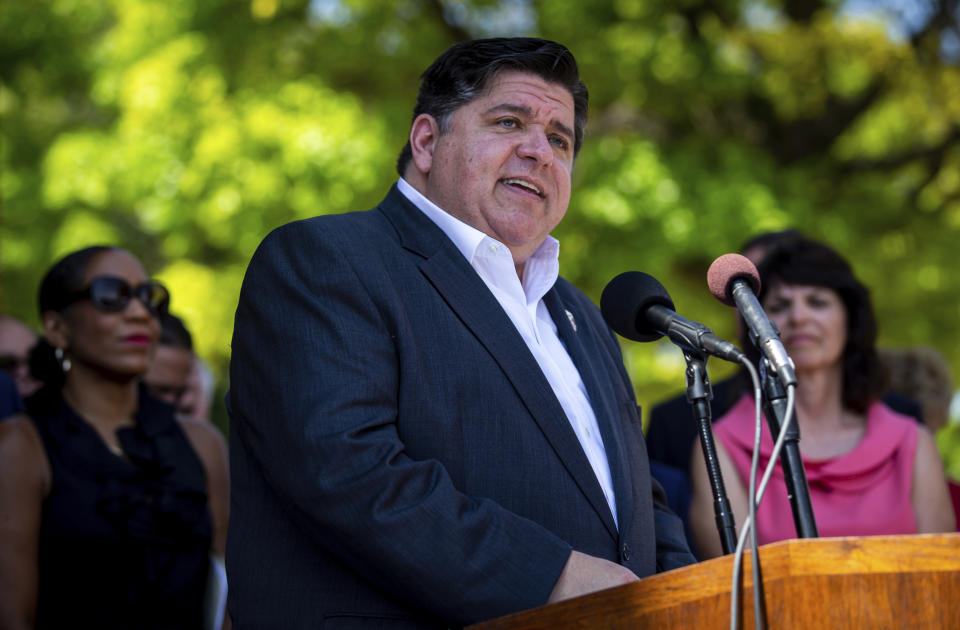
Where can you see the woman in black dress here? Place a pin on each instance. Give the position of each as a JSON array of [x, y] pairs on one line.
[[110, 506]]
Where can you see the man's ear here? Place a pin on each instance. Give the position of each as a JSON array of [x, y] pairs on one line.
[[55, 329], [423, 140]]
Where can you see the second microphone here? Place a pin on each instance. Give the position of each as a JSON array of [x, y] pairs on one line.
[[639, 308]]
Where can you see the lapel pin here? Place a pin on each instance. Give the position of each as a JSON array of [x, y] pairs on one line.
[[573, 322]]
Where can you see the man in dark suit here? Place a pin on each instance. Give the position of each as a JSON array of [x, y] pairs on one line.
[[428, 427]]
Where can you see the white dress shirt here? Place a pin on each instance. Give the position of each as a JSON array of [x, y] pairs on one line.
[[523, 304]]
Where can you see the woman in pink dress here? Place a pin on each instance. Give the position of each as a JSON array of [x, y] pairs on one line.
[[870, 470]]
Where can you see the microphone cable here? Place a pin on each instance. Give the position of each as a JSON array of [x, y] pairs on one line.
[[755, 495]]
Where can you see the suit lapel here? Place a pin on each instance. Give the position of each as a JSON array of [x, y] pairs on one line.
[[478, 309], [569, 322]]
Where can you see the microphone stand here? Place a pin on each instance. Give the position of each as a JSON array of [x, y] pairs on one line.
[[699, 393], [794, 474]]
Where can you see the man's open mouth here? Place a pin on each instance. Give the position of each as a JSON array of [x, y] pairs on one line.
[[523, 184]]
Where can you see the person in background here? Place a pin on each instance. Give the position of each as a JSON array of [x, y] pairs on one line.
[[177, 375], [16, 341], [109, 504], [197, 401], [923, 374], [168, 377], [870, 470], [672, 427], [428, 426]]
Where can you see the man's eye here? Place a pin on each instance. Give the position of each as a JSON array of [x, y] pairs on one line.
[[509, 123], [560, 142]]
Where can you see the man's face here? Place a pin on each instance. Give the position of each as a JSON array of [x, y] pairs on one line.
[[504, 164], [168, 374], [16, 341]]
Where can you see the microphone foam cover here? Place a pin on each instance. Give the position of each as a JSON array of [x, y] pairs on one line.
[[725, 270], [626, 298]]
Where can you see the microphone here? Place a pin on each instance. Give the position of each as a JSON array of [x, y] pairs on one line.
[[734, 280], [638, 307]]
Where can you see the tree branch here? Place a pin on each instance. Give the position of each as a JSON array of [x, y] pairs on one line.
[[933, 155]]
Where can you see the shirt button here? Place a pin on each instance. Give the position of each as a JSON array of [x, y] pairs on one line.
[[493, 248]]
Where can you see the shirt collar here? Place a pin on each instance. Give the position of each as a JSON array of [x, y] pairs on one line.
[[468, 239]]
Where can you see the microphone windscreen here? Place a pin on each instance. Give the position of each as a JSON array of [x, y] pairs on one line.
[[725, 270], [624, 301]]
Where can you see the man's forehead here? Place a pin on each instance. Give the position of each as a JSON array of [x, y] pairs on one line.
[[15, 333], [528, 93], [555, 92]]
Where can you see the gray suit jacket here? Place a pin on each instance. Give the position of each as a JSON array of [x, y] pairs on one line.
[[398, 459]]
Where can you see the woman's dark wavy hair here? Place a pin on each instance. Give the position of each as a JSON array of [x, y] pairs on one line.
[[463, 72], [63, 279], [802, 260]]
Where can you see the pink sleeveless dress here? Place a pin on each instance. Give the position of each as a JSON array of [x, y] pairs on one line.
[[863, 492]]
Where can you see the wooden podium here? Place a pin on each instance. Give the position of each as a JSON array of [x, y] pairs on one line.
[[846, 583]]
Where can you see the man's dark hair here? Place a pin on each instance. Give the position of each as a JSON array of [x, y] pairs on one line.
[[803, 260], [464, 72], [173, 333]]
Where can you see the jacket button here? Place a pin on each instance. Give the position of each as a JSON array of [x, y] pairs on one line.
[[624, 552]]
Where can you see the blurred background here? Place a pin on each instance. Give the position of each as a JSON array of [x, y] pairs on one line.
[[185, 130]]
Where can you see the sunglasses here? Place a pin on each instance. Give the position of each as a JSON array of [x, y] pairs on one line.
[[9, 363], [109, 293]]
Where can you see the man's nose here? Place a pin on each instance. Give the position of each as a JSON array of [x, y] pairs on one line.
[[536, 146]]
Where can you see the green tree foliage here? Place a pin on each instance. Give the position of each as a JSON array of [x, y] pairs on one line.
[[185, 130]]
